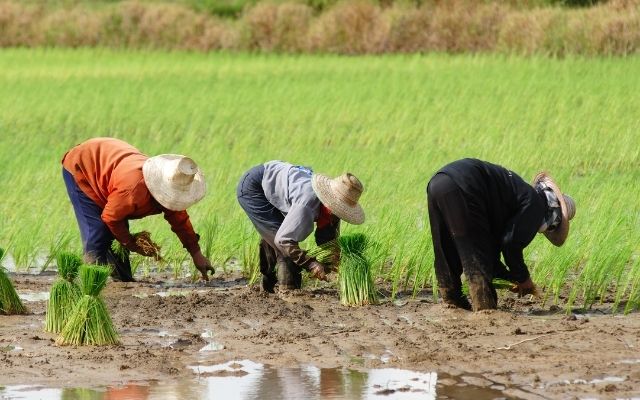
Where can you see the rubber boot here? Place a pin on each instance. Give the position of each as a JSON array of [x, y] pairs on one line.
[[289, 274], [268, 262], [483, 295], [455, 298]]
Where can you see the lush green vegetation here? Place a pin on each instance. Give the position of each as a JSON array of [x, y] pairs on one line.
[[391, 120]]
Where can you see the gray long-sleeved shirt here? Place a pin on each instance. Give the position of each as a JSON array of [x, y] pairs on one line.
[[288, 188]]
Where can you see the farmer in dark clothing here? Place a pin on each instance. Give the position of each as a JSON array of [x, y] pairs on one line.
[[110, 182], [283, 201], [478, 211]]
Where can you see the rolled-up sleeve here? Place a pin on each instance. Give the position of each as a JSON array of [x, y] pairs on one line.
[[181, 226], [296, 227]]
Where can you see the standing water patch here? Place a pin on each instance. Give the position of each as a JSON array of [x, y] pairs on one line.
[[248, 380]]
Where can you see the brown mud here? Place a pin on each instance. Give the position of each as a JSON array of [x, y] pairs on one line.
[[538, 352]]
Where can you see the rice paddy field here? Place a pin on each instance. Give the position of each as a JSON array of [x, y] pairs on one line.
[[390, 120]]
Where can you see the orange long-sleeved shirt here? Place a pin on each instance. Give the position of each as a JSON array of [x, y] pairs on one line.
[[109, 171]]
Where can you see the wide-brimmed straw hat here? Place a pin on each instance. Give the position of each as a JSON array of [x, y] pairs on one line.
[[175, 181], [340, 195], [567, 206]]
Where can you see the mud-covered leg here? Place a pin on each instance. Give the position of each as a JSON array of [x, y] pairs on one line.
[[483, 295], [289, 274], [444, 205], [268, 261]]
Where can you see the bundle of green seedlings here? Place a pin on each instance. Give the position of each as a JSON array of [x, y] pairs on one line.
[[355, 275], [89, 322], [143, 241], [10, 302], [64, 292]]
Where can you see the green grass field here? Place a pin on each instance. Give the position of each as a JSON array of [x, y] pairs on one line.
[[392, 121]]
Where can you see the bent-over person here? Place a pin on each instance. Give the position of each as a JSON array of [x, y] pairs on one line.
[[284, 201], [479, 211], [110, 182]]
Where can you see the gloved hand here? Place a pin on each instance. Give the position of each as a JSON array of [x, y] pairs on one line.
[[318, 270], [525, 288], [203, 265]]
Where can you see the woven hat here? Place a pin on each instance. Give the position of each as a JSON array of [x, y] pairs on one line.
[[340, 195], [175, 181], [567, 207]]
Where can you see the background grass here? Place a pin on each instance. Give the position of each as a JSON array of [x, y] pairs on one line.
[[391, 120]]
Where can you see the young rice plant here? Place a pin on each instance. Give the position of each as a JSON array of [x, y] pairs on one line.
[[89, 322], [64, 292]]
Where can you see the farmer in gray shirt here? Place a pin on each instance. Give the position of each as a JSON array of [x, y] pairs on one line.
[[284, 201]]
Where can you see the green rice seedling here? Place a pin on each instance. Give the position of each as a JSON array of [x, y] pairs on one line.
[[10, 302], [497, 283], [355, 278], [89, 322], [230, 99], [64, 292]]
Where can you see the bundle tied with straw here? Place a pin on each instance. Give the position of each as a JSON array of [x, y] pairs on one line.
[[89, 322], [355, 275], [64, 292], [10, 302]]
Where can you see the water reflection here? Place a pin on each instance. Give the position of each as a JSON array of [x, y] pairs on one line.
[[247, 380]]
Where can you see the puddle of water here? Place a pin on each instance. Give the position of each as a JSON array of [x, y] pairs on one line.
[[212, 346], [10, 348], [29, 296], [178, 292], [605, 379], [245, 379]]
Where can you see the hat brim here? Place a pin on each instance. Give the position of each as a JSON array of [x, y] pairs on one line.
[[322, 187], [171, 197], [559, 235]]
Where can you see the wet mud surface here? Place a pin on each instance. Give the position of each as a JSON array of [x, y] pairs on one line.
[[523, 349]]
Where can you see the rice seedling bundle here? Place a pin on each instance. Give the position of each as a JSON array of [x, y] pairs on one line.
[[143, 241], [355, 275], [10, 302], [64, 292], [89, 322]]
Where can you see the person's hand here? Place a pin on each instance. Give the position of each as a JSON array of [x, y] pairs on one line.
[[203, 265], [318, 270], [148, 251], [525, 288]]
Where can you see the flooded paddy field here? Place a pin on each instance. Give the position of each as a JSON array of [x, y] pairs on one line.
[[228, 340]]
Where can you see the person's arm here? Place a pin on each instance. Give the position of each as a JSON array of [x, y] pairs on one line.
[[115, 214], [181, 226], [519, 232], [296, 227]]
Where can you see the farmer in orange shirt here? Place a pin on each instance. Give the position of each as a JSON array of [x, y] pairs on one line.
[[110, 182]]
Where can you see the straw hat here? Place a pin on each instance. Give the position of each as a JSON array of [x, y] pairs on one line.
[[567, 206], [340, 195], [175, 181]]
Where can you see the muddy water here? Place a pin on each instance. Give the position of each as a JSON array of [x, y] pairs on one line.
[[244, 379]]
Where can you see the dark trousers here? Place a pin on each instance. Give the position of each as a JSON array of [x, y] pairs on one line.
[[96, 236], [267, 220], [460, 242]]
